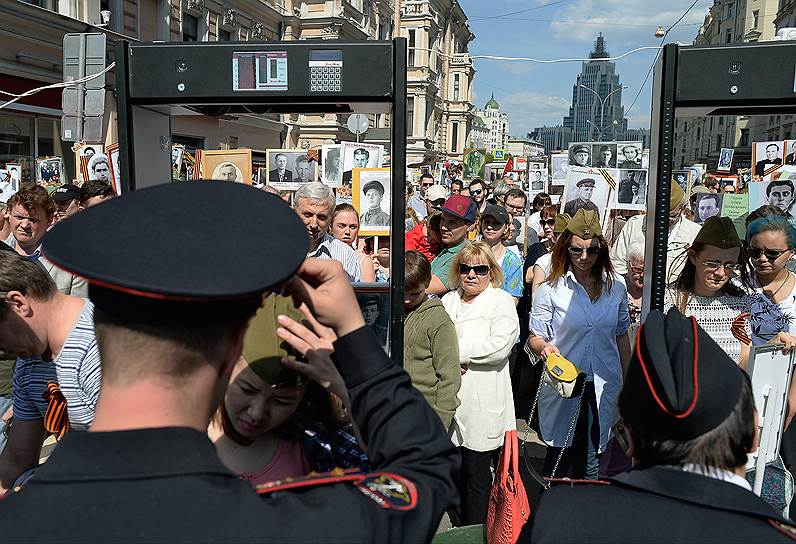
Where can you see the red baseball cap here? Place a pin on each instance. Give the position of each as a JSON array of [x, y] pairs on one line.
[[460, 206]]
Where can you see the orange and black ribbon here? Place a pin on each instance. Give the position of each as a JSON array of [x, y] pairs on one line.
[[739, 329], [56, 419]]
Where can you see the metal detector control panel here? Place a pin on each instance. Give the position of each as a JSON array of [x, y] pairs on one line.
[[283, 71]]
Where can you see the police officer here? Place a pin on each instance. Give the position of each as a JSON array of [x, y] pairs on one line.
[[173, 302], [689, 422]]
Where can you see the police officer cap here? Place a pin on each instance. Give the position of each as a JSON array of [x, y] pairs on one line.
[[498, 213], [581, 149], [680, 384], [263, 350], [172, 252], [585, 223], [719, 232], [587, 181], [66, 193], [373, 184]]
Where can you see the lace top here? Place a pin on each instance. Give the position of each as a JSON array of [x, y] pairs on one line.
[[716, 315]]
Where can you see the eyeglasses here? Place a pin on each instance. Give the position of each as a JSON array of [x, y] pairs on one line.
[[479, 269], [548, 222], [730, 268], [577, 251], [514, 208], [771, 254], [439, 202], [428, 184], [476, 191], [639, 270]]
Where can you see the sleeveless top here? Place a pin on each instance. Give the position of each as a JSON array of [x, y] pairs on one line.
[[289, 461]]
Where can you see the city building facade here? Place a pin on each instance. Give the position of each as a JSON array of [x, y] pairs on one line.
[[479, 134], [782, 127], [524, 147], [498, 123], [700, 139], [555, 138]]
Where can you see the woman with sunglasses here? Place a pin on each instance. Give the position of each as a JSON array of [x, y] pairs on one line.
[[487, 328], [711, 287], [494, 229], [581, 313], [540, 202]]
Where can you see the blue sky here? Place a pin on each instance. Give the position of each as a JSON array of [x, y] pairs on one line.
[[536, 94]]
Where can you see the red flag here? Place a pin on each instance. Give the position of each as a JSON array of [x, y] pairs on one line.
[[509, 164]]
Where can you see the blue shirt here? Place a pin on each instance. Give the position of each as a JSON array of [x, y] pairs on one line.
[[512, 273], [441, 265], [585, 332]]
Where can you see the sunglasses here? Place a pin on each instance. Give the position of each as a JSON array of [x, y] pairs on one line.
[[548, 222], [771, 254], [438, 203], [428, 184], [576, 251], [476, 191], [479, 269]]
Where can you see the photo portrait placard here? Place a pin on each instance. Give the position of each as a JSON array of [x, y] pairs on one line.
[[16, 174], [707, 205], [588, 189], [559, 162], [331, 165], [228, 165], [474, 163], [629, 155], [580, 154], [289, 169], [790, 149], [372, 197], [683, 178], [767, 157], [725, 159], [359, 155], [780, 193], [537, 181], [116, 172], [83, 154], [48, 170], [631, 192], [603, 155]]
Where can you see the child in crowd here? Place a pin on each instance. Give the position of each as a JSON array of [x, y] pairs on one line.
[[431, 354]]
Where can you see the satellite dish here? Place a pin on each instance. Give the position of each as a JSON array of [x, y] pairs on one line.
[[358, 123]]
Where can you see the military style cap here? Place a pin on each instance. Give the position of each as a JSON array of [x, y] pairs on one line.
[[373, 184], [65, 193], [699, 189], [561, 222], [460, 206], [680, 384], [585, 223], [587, 181], [719, 232], [676, 196], [497, 212], [263, 350], [171, 251], [581, 149]]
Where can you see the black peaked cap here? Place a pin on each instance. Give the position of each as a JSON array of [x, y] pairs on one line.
[[168, 247], [680, 383]]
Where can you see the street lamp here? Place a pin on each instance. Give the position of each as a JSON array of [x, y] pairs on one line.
[[602, 106]]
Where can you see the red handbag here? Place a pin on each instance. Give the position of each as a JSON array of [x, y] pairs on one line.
[[508, 503]]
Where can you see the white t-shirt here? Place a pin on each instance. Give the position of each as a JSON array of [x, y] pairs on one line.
[[545, 262]]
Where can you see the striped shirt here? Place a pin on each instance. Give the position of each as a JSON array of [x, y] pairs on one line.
[[333, 249], [31, 377], [78, 368]]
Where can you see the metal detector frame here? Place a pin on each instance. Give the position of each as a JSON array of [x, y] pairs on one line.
[[694, 80], [395, 99]]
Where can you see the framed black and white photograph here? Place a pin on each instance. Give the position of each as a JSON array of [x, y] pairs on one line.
[[99, 168], [537, 181], [767, 157], [7, 186], [725, 159], [558, 166], [332, 165], [289, 169], [359, 155], [629, 155], [371, 198], [779, 192], [116, 172], [707, 205], [683, 179], [83, 154], [177, 151], [631, 192], [16, 173], [790, 149], [603, 155], [228, 165], [580, 154], [375, 306], [587, 189]]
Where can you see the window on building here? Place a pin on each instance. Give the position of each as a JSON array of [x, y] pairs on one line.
[[699, 133], [755, 18], [711, 123], [719, 141], [190, 28], [410, 116], [224, 36], [744, 137], [455, 137], [411, 46], [721, 120], [729, 35], [456, 86]]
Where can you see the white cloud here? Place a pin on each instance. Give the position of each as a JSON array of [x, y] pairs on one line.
[[606, 15], [639, 119], [528, 110]]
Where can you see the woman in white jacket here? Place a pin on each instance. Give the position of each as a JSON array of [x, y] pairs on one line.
[[487, 328]]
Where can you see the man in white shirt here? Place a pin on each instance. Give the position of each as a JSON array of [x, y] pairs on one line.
[[682, 232], [314, 203]]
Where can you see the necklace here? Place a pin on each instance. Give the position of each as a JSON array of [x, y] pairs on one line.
[[781, 285]]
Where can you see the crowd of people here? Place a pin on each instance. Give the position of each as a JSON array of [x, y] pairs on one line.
[[206, 376]]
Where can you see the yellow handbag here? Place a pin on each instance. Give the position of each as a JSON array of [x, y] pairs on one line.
[[563, 376]]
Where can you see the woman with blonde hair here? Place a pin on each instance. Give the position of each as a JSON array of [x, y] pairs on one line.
[[345, 227], [487, 328]]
